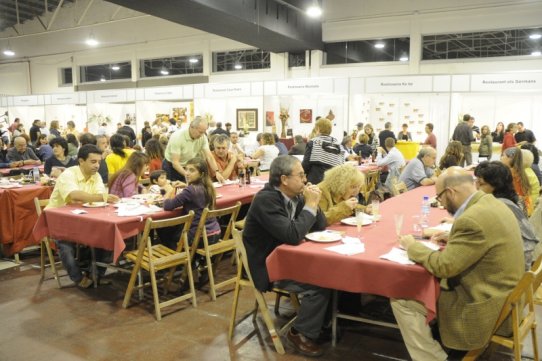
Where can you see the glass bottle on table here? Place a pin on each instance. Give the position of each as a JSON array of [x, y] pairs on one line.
[[241, 178]]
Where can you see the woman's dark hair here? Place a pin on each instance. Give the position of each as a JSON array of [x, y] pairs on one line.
[[533, 150], [117, 144], [38, 143], [135, 164], [60, 141], [72, 139], [156, 174], [205, 181], [154, 149], [36, 121], [499, 176]]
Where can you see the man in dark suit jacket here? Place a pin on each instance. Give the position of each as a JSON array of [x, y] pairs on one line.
[[482, 262], [385, 134], [127, 130], [283, 213]]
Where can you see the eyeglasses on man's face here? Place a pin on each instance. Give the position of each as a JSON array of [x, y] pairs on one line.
[[438, 197], [301, 175]]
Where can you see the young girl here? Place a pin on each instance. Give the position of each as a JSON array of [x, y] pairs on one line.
[[125, 183], [486, 145]]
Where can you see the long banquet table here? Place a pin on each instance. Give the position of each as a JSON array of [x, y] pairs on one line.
[[365, 273], [18, 216], [25, 169], [103, 228]]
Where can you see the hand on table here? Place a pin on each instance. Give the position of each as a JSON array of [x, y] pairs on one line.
[[406, 241], [219, 177], [111, 198], [440, 237]]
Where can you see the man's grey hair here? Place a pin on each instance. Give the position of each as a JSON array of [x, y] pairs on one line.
[[197, 121], [281, 165], [220, 139], [426, 151]]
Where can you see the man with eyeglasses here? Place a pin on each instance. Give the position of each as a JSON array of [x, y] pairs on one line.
[[419, 171], [479, 266], [283, 212]]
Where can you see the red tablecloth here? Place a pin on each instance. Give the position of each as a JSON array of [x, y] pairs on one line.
[[5, 171], [228, 195], [18, 215], [100, 227], [366, 272]]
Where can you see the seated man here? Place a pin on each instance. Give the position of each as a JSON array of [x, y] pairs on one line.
[[235, 147], [229, 164], [481, 264], [21, 153], [79, 184], [283, 213], [4, 163], [392, 158], [419, 171]]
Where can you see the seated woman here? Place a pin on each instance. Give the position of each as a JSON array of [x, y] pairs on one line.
[[528, 159], [125, 183], [496, 178], [340, 189], [266, 152], [118, 158], [363, 149], [73, 145], [513, 159], [452, 156], [536, 159], [44, 150], [60, 159], [404, 134]]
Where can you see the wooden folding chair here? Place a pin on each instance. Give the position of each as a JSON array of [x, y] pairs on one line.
[[520, 307], [159, 257], [398, 188], [371, 184], [45, 246], [225, 244], [537, 290], [261, 304]]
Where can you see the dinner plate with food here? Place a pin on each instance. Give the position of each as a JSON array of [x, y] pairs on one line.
[[351, 221], [95, 204], [324, 236]]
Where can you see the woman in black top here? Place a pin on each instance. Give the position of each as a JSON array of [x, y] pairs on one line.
[[146, 133], [60, 156], [498, 134]]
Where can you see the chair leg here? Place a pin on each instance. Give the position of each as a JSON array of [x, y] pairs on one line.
[[535, 342], [42, 260], [269, 323], [131, 284], [277, 303], [155, 297], [236, 292], [188, 266], [211, 276], [52, 263], [473, 355]]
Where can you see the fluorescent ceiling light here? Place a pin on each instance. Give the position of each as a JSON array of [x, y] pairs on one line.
[[91, 40], [193, 60], [536, 53], [535, 36], [314, 11], [9, 52], [238, 66], [403, 58], [102, 78], [115, 67], [380, 45], [164, 71]]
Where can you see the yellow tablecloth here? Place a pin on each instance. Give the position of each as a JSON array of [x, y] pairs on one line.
[[408, 149]]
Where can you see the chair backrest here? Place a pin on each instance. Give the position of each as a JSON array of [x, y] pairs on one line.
[[241, 252], [399, 188], [151, 224], [372, 179], [40, 204], [537, 273], [207, 213]]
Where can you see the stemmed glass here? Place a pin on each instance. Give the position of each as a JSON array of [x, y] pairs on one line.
[[375, 207], [105, 196], [398, 218], [359, 221]]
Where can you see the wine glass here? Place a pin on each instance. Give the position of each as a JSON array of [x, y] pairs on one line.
[[359, 221], [375, 207], [105, 196], [398, 218]]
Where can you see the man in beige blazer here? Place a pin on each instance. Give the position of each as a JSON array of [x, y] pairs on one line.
[[480, 265]]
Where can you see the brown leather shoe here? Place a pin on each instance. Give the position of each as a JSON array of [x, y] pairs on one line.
[[304, 345]]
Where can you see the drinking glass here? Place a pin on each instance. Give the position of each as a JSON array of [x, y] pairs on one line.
[[416, 227], [105, 195], [398, 218], [375, 205], [359, 221]]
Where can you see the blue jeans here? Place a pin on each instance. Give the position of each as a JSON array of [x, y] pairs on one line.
[[66, 251]]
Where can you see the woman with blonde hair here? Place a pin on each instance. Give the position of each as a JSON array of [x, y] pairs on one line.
[[340, 189], [452, 156], [513, 159], [373, 139], [322, 152], [528, 159], [266, 152]]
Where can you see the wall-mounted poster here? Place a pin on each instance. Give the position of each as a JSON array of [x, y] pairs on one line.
[[269, 119], [247, 119], [305, 116]]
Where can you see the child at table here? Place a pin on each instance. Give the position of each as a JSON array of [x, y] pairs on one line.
[[125, 183], [161, 185], [198, 195]]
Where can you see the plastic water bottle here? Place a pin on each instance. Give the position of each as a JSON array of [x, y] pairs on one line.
[[424, 219], [36, 174]]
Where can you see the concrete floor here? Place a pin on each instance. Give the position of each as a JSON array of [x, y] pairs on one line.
[[42, 322]]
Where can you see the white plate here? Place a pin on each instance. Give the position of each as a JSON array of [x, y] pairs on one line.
[[94, 204], [324, 237], [217, 184], [351, 221], [144, 196]]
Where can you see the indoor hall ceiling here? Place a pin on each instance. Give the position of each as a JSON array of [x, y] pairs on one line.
[[274, 25], [16, 12]]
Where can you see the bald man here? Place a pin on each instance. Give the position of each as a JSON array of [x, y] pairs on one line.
[[480, 265], [21, 153]]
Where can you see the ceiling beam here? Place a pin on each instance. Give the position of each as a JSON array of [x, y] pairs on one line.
[[53, 18], [89, 4]]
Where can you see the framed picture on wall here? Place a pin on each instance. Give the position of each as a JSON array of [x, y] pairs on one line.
[[247, 119], [305, 116], [269, 119]]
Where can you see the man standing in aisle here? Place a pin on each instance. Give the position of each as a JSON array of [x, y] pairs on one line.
[[524, 135], [79, 184], [385, 134], [481, 263], [283, 213], [185, 144], [463, 134]]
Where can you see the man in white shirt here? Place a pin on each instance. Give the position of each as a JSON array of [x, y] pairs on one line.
[[393, 159]]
